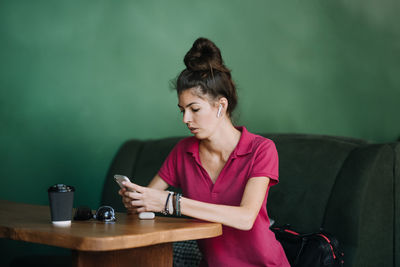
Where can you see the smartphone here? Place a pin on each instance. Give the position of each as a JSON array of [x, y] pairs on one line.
[[143, 215], [121, 178]]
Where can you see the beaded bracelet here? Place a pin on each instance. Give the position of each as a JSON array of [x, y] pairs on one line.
[[178, 204]]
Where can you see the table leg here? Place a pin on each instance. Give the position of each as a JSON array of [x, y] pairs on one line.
[[157, 255]]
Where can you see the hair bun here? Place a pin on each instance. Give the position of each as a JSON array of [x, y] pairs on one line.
[[204, 55]]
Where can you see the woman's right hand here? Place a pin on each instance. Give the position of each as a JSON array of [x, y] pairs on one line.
[[156, 183]]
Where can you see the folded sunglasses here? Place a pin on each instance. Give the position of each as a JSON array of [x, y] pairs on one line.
[[103, 213]]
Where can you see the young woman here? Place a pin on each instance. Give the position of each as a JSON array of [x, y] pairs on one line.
[[224, 171]]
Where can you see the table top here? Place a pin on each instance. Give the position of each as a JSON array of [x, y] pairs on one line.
[[32, 223]]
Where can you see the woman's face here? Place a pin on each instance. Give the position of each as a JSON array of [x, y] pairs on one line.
[[199, 114]]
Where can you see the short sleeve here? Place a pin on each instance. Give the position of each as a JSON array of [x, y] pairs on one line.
[[168, 169], [266, 162]]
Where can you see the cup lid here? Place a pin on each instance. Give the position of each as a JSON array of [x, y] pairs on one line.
[[61, 188]]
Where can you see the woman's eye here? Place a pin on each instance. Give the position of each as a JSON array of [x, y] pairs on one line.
[[195, 110]]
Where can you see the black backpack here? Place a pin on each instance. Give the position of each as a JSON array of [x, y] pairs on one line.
[[309, 250]]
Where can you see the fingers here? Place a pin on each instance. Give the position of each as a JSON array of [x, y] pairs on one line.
[[132, 204], [139, 199], [129, 202], [136, 203], [141, 209], [135, 206], [121, 192], [133, 187], [132, 199], [126, 200], [132, 195]]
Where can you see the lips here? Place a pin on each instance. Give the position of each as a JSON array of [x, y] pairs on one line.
[[193, 130]]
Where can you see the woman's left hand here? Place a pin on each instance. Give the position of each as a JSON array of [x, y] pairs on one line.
[[143, 198]]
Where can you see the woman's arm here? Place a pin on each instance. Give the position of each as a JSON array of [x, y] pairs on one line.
[[158, 183], [241, 217]]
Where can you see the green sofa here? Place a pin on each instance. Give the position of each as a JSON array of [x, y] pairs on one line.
[[346, 186]]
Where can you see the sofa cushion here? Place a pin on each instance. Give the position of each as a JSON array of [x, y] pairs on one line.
[[308, 168]]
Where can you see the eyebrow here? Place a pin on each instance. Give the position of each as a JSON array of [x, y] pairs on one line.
[[188, 105]]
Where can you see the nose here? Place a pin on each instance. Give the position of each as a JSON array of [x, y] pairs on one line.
[[186, 117]]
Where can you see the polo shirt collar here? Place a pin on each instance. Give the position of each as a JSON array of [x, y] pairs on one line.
[[193, 148], [244, 146]]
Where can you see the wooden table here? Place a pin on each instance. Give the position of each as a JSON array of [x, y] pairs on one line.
[[126, 242]]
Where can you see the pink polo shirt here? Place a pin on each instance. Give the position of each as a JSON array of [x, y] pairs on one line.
[[254, 156]]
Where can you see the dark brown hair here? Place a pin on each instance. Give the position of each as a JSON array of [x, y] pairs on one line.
[[206, 70]]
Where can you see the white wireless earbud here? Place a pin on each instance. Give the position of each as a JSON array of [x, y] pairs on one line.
[[219, 111]]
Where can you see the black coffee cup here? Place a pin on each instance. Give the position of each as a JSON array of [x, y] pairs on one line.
[[61, 200]]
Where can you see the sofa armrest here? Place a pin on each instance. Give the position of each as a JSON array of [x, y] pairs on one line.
[[396, 147]]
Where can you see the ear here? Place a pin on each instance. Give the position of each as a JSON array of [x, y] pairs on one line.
[[222, 105]]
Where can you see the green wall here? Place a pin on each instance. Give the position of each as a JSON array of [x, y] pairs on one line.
[[78, 78]]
